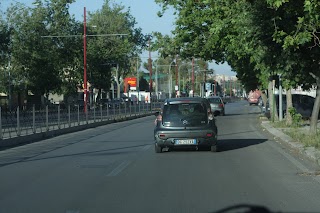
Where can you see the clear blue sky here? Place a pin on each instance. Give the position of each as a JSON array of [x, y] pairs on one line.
[[145, 12]]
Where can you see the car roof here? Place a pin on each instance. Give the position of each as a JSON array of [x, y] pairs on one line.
[[185, 99], [213, 97]]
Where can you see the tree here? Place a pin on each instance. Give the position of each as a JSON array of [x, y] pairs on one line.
[[108, 49], [301, 40], [41, 69], [258, 41]]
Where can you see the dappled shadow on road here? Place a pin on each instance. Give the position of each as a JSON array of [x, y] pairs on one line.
[[106, 152], [232, 144], [245, 113], [235, 133]]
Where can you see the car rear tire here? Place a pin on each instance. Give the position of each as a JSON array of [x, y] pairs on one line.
[[158, 149], [214, 148]]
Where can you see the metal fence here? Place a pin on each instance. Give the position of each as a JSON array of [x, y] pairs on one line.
[[21, 122]]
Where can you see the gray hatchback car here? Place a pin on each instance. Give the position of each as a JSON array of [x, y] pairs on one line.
[[217, 105], [185, 122]]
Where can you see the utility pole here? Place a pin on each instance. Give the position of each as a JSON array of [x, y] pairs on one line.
[[177, 74], [192, 76], [230, 86], [85, 59], [150, 70], [137, 79], [215, 87]]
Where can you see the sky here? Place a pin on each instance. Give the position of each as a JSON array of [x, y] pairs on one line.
[[145, 12]]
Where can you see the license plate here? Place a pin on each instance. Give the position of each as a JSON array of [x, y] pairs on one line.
[[186, 142]]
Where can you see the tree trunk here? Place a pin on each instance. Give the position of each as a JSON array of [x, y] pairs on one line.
[[272, 103], [264, 98], [289, 105], [316, 108]]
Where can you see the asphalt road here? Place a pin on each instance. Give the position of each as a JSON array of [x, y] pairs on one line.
[[114, 168]]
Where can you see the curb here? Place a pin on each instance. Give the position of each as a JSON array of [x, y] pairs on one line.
[[309, 152], [27, 139]]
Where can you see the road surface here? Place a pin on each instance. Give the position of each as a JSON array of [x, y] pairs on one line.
[[114, 168]]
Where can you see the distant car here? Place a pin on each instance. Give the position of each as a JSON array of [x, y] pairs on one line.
[[253, 97], [217, 105], [185, 122]]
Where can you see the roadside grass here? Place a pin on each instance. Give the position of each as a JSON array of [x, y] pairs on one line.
[[305, 138], [299, 133], [280, 124]]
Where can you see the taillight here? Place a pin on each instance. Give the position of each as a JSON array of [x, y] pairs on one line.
[[162, 135], [220, 105], [209, 134]]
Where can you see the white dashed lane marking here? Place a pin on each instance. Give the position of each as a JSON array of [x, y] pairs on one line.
[[118, 169]]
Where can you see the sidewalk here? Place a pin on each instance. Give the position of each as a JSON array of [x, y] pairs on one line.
[[310, 152]]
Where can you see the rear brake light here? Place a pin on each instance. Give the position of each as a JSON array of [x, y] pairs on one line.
[[209, 134], [162, 135], [220, 105]]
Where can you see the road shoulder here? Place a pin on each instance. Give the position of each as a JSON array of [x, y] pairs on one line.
[[309, 152]]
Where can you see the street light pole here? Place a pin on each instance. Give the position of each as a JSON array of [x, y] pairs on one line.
[[137, 84], [170, 80], [150, 70], [192, 77], [177, 88], [85, 59]]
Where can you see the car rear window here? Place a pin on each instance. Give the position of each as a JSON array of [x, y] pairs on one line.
[[215, 100], [184, 115]]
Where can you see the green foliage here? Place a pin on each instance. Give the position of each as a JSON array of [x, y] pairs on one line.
[[296, 117], [105, 52], [55, 63]]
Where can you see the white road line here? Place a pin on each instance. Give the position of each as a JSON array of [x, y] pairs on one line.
[[145, 148], [118, 169]]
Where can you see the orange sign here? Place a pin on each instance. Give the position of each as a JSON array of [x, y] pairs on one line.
[[132, 81]]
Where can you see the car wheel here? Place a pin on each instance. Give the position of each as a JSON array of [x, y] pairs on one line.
[[158, 149], [214, 148]]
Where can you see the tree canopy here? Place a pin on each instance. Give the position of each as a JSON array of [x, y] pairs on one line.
[[44, 46], [259, 39]]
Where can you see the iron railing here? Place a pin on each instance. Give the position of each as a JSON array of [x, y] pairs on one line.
[[21, 122]]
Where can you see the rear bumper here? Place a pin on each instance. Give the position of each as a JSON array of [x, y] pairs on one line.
[[170, 139], [218, 110], [253, 101]]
